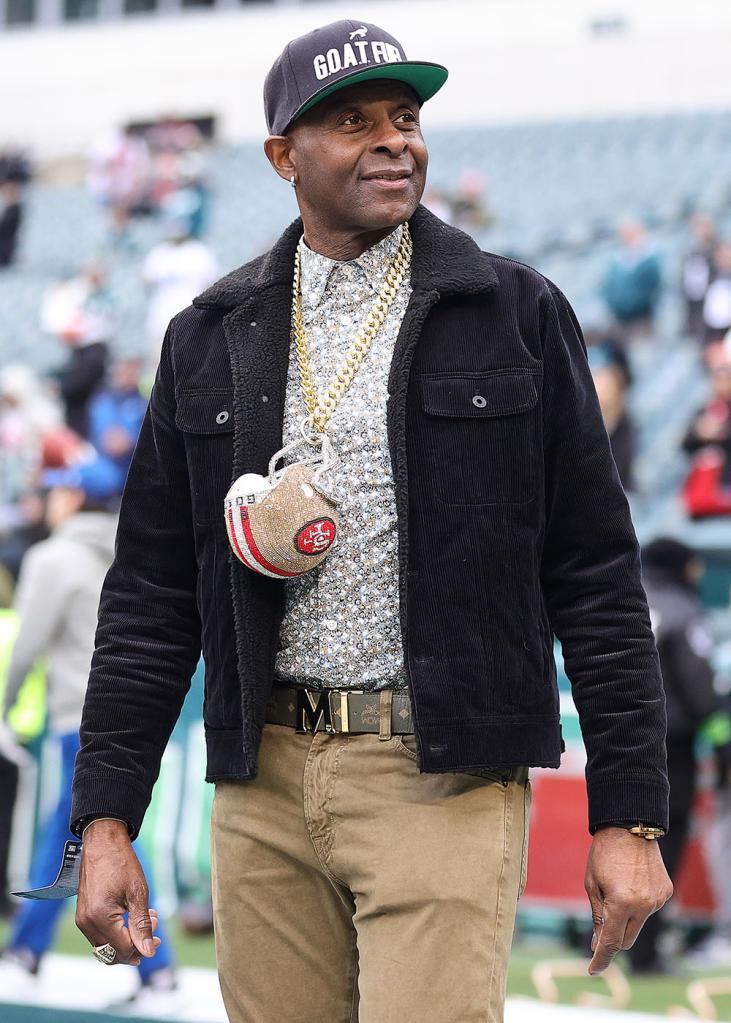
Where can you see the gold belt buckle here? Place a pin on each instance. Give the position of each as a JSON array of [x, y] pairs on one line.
[[344, 716], [344, 695]]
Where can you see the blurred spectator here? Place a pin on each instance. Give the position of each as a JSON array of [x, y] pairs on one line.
[[717, 302], [119, 178], [8, 784], [188, 200], [14, 173], [612, 379], [178, 186], [26, 724], [697, 270], [175, 271], [57, 602], [82, 377], [116, 414], [670, 574], [11, 212], [81, 313], [631, 285], [715, 950], [174, 135], [26, 413], [470, 210], [61, 447], [438, 202], [8, 790], [28, 528], [707, 489]]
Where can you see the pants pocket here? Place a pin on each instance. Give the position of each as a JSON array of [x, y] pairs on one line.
[[405, 744]]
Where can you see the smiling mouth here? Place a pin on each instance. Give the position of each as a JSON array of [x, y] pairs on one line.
[[388, 176]]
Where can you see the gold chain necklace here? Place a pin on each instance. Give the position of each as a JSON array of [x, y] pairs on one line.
[[284, 524], [320, 409]]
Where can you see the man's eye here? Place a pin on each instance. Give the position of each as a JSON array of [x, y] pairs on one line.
[[352, 119], [409, 117]]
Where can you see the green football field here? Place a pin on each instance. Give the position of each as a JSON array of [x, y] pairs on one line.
[[657, 995]]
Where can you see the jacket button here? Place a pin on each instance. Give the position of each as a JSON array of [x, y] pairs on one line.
[[222, 417], [253, 323], [478, 401]]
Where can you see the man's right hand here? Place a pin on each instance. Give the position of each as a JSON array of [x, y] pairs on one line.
[[111, 884]]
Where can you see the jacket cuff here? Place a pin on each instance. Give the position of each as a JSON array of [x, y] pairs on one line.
[[97, 794], [627, 799]]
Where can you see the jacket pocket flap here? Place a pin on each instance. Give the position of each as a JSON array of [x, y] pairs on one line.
[[205, 411], [480, 394]]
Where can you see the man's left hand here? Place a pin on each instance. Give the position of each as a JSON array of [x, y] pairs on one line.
[[626, 882]]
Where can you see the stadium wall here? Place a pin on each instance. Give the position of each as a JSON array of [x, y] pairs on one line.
[[510, 60]]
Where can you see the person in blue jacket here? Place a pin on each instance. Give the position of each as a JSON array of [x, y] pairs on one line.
[[115, 417]]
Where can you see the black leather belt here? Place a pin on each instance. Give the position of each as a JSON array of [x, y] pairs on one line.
[[352, 710], [339, 710]]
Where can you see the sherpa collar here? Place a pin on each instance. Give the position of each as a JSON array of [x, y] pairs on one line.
[[444, 259]]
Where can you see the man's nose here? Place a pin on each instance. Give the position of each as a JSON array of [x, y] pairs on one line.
[[389, 139]]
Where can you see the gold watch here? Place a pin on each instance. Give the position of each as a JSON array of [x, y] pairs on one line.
[[647, 831]]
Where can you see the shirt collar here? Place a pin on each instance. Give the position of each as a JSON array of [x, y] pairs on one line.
[[317, 270]]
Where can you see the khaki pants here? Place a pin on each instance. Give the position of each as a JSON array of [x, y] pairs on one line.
[[349, 887]]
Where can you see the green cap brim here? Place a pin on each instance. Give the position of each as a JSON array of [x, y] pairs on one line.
[[424, 78]]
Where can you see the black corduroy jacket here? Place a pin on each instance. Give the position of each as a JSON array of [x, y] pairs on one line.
[[512, 526]]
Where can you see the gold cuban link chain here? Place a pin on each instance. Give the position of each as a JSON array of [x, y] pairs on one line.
[[320, 409]]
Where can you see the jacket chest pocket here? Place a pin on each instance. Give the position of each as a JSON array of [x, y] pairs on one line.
[[206, 419], [483, 435]]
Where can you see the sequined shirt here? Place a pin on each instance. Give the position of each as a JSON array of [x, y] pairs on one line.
[[341, 624]]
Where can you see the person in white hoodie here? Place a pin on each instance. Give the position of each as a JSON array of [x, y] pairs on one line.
[[57, 600]]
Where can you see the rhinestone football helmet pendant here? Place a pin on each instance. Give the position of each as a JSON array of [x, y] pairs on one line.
[[284, 524]]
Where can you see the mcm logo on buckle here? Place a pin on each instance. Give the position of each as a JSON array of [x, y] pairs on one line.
[[311, 710]]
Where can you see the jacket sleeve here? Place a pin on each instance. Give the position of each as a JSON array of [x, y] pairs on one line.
[[148, 637], [591, 581]]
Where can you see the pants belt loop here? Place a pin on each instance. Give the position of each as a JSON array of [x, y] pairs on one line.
[[385, 715]]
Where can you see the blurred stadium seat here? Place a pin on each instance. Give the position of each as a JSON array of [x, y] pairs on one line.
[[556, 192]]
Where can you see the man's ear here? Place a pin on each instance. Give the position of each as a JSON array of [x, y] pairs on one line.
[[277, 149]]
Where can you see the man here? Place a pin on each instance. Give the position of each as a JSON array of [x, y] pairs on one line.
[[115, 416], [370, 869], [81, 312], [670, 574], [56, 600], [173, 270], [633, 280], [697, 272]]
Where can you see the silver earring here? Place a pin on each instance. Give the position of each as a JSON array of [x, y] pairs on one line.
[[293, 182]]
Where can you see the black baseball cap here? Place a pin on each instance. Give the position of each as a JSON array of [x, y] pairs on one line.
[[319, 63]]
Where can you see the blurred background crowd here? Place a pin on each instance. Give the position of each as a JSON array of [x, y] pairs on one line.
[[629, 214]]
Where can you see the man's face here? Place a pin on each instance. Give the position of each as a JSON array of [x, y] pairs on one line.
[[359, 156]]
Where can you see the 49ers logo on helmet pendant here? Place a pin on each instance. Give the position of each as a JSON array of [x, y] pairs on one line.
[[315, 537]]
